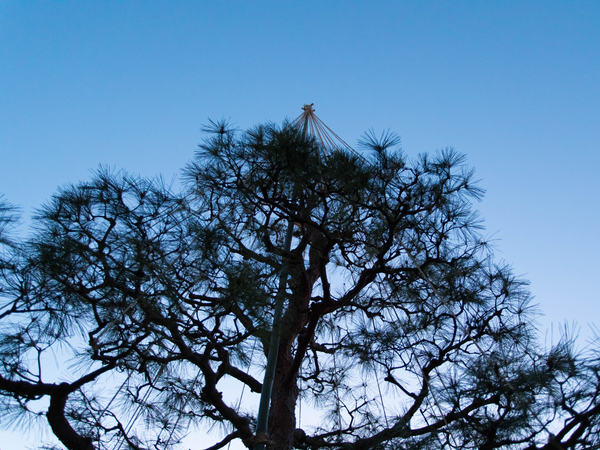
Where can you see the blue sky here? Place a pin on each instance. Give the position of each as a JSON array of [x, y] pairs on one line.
[[514, 85]]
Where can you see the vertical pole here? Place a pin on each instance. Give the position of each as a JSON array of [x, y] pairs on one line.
[[267, 387]]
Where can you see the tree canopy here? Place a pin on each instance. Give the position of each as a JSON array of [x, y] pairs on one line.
[[399, 327]]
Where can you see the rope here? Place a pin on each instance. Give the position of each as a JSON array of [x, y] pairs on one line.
[[328, 139], [411, 347], [316, 124], [336, 381], [381, 397], [137, 411], [237, 408], [112, 400], [321, 131], [463, 328], [179, 414]]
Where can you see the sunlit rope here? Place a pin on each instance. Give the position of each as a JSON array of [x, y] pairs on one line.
[[325, 135]]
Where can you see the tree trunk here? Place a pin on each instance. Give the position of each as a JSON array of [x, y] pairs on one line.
[[282, 414]]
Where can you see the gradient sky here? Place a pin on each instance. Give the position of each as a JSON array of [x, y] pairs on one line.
[[514, 85]]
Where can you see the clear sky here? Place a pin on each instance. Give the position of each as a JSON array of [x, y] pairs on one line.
[[514, 85]]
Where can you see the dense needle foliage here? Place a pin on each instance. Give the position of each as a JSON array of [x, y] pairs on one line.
[[399, 327]]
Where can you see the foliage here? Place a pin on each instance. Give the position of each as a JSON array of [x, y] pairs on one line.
[[162, 304]]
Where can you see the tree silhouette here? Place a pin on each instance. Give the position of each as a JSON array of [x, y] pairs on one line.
[[159, 306]]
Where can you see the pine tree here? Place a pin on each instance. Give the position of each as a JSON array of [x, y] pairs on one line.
[[397, 323]]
